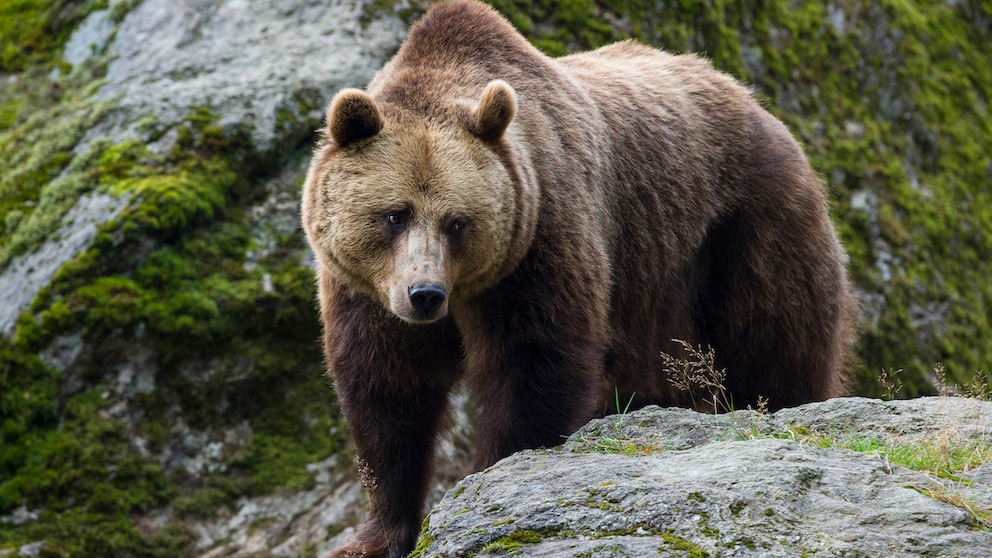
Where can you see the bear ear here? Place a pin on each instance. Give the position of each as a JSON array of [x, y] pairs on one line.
[[353, 116], [496, 109]]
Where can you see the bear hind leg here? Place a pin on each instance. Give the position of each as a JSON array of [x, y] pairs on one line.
[[778, 309]]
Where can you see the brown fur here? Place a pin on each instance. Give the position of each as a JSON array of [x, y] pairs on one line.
[[544, 228]]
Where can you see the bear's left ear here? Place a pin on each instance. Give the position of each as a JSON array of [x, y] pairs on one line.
[[353, 116], [496, 109]]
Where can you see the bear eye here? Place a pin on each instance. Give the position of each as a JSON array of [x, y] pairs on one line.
[[457, 226], [397, 219]]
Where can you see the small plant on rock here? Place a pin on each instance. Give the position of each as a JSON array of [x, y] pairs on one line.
[[617, 442], [697, 375]]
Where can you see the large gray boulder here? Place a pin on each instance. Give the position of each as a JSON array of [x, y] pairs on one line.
[[729, 485], [247, 61]]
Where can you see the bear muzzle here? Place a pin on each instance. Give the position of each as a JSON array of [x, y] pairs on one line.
[[427, 299], [424, 303]]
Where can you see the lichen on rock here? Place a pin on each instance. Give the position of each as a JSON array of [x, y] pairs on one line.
[[743, 484]]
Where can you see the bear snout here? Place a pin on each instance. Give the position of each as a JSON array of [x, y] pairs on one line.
[[427, 300]]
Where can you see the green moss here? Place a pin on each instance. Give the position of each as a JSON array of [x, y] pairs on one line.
[[279, 458], [559, 27], [203, 502], [121, 8], [75, 465], [675, 542], [424, 541], [169, 273], [513, 541], [897, 107], [737, 507], [881, 115], [32, 31], [34, 196]]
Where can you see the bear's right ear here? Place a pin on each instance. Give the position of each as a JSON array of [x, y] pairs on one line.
[[352, 116], [496, 109]]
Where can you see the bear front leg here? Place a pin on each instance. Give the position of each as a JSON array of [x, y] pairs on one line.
[[394, 440], [535, 398], [392, 381], [534, 363]]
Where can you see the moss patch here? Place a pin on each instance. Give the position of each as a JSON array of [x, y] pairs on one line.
[[32, 31], [42, 178], [513, 541], [424, 541], [232, 343], [674, 542]]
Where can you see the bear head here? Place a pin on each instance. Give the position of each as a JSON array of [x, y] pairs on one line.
[[419, 212]]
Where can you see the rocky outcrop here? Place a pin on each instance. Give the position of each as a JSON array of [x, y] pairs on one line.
[[733, 485], [151, 110], [28, 273]]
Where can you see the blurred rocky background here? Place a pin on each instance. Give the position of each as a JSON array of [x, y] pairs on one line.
[[161, 383]]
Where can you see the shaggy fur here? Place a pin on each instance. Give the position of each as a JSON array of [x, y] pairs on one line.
[[544, 228]]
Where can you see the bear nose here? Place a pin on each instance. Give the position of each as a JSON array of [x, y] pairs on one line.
[[426, 298]]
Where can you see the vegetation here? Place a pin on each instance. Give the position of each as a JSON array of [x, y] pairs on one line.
[[616, 441], [32, 31], [942, 458], [514, 540], [168, 281], [169, 274]]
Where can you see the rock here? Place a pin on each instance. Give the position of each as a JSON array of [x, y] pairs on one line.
[[246, 61], [90, 38], [26, 274], [915, 419], [269, 67], [285, 524], [742, 485]]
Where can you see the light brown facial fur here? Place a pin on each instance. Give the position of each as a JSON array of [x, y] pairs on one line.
[[410, 209]]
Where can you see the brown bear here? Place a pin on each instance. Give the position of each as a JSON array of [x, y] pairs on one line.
[[545, 228]]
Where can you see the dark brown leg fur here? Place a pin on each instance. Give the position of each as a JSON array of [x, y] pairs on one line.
[[777, 305], [392, 381], [780, 336], [534, 359]]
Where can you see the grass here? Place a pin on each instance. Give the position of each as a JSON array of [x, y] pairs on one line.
[[616, 442], [975, 388], [697, 376], [942, 458], [189, 290]]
